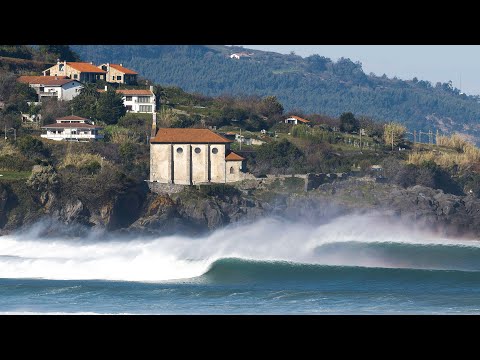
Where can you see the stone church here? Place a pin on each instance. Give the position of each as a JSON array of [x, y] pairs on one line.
[[193, 156]]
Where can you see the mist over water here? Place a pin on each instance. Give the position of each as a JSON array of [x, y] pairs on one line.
[[364, 241]]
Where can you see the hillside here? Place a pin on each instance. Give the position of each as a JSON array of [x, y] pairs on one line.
[[314, 84]]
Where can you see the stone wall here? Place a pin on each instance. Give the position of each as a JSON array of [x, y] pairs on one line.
[[160, 188]]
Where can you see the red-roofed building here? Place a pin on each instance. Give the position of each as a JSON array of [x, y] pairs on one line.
[[72, 128], [193, 156], [80, 71], [295, 120], [138, 100], [52, 86], [116, 73]]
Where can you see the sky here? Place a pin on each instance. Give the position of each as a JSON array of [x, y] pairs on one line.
[[458, 63]]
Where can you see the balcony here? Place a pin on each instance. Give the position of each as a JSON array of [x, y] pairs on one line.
[[72, 136], [143, 102], [48, 93]]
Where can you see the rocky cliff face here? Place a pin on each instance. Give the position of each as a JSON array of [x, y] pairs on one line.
[[194, 211]]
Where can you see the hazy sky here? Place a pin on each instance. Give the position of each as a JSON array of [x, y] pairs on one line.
[[459, 63]]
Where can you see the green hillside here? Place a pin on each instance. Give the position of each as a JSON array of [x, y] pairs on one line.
[[314, 84]]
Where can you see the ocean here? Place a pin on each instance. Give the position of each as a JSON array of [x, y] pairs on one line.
[[350, 265]]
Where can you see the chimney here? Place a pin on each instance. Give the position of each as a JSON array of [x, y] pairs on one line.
[[154, 125], [151, 88], [91, 62], [121, 64], [106, 87]]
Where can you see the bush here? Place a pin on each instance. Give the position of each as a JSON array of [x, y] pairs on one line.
[[12, 163], [29, 146]]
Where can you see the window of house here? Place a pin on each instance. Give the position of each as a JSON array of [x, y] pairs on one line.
[[128, 98], [74, 132], [179, 150], [60, 67], [197, 150], [104, 67], [42, 89], [232, 170], [119, 77], [144, 99], [75, 76], [145, 108], [214, 150], [129, 107]]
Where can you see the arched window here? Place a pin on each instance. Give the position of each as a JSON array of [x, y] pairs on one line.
[[232, 170]]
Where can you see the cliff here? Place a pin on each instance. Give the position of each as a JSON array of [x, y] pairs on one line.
[[199, 210]]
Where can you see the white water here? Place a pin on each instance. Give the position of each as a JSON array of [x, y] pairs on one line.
[[175, 257]]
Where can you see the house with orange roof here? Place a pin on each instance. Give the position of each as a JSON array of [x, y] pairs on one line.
[[72, 128], [47, 87], [117, 73], [80, 71], [295, 120], [193, 156], [137, 100]]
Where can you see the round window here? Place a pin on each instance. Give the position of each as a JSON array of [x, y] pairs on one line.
[[197, 150], [179, 150], [214, 150]]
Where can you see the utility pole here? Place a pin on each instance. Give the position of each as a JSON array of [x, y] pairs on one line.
[[392, 139], [361, 139]]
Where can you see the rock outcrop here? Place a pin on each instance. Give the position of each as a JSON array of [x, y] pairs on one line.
[[194, 210]]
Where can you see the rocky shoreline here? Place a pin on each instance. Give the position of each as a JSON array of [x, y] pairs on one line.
[[196, 211]]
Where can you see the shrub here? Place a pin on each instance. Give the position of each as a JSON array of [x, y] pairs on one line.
[[29, 146]]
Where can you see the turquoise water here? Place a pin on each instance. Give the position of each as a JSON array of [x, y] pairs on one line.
[[270, 267]]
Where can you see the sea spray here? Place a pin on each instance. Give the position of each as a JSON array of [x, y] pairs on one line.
[[346, 241]]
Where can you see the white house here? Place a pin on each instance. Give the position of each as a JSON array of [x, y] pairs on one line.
[[240, 55], [138, 100], [72, 128], [53, 86], [295, 120], [193, 156]]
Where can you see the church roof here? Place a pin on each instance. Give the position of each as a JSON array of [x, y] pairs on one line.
[[188, 136], [232, 156]]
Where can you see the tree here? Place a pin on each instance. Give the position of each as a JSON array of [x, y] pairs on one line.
[[110, 107], [85, 104], [317, 63], [394, 134], [348, 122], [61, 52], [53, 109], [271, 106]]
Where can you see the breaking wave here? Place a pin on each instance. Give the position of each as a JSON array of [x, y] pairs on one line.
[[267, 249]]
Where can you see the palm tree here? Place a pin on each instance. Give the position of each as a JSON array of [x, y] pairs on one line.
[[89, 89]]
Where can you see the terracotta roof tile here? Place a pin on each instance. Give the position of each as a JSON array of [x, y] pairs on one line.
[[232, 156], [71, 117], [135, 92], [72, 125], [299, 119], [123, 69], [188, 136], [45, 80], [86, 67]]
